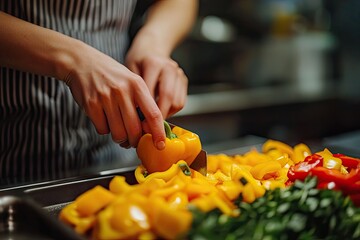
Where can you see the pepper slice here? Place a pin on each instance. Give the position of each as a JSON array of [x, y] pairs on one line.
[[348, 183], [330, 170], [349, 162], [184, 145], [301, 170]]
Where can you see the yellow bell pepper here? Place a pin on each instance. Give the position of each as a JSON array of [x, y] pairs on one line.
[[180, 144], [231, 189], [178, 200], [204, 204], [167, 222], [301, 151], [118, 185], [93, 200], [212, 163], [195, 190], [248, 193], [192, 143], [273, 144], [329, 161], [71, 216], [125, 218], [169, 189], [254, 157], [181, 166], [262, 169], [224, 204], [272, 184]]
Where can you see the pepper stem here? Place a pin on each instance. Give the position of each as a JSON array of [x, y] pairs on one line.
[[169, 133], [185, 169]]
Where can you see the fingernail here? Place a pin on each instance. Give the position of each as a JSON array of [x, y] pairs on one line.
[[160, 145], [120, 141]]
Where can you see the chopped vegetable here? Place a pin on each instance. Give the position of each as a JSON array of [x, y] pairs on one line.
[[241, 197], [331, 171]]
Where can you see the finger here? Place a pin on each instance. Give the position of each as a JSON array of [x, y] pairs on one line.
[[134, 68], [115, 120], [181, 93], [96, 114], [167, 90], [150, 74], [153, 117], [125, 144], [131, 119]]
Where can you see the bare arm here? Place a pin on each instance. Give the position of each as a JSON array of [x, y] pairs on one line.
[[35, 49], [167, 23]]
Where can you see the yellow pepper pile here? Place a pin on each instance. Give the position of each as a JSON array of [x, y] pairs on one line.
[[159, 205]]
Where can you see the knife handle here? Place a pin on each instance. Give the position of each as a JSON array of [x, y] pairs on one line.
[[140, 114]]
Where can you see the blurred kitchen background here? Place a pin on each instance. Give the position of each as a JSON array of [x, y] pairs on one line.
[[281, 69]]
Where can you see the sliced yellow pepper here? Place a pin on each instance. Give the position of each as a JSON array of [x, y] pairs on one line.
[[125, 218], [329, 161], [212, 163], [93, 200], [178, 200], [118, 185], [273, 144], [301, 151], [231, 189], [254, 157], [167, 222], [248, 193], [180, 166], [70, 215], [264, 168]]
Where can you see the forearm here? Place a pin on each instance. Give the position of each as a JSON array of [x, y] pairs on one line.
[[167, 23], [28, 47]]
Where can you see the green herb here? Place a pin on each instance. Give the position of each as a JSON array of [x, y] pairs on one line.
[[298, 212]]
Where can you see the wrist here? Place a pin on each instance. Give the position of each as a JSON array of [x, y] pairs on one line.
[[66, 57], [148, 40]]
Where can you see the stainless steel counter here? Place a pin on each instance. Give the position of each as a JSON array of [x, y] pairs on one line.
[[212, 100]]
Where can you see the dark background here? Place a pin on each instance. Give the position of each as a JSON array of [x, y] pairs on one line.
[[309, 47]]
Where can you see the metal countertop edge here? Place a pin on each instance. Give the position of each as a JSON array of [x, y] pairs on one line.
[[233, 100]]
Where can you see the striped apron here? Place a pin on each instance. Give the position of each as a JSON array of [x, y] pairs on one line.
[[44, 135]]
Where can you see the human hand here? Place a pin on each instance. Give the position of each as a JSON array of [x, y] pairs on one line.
[[109, 94], [166, 81]]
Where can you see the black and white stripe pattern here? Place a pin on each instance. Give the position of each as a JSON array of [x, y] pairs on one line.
[[43, 133]]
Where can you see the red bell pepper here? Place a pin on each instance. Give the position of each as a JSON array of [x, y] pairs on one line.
[[356, 199], [333, 179], [348, 183], [302, 169], [349, 162]]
